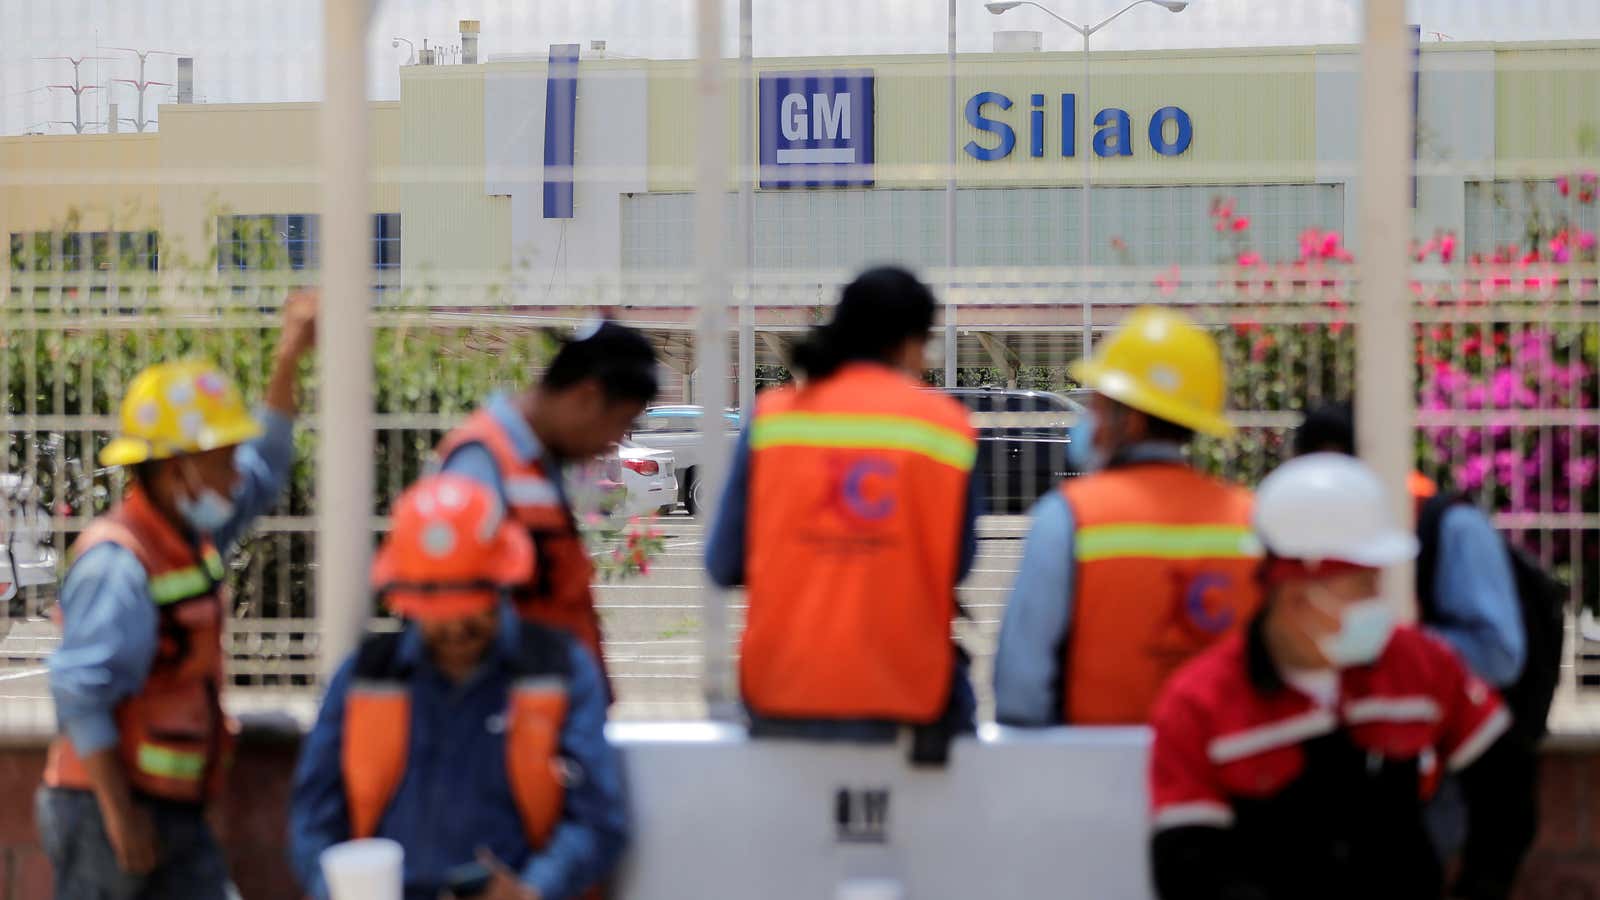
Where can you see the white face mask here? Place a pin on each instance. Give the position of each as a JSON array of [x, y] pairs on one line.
[[1364, 630]]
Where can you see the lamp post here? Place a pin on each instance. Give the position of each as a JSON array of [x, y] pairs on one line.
[[1086, 32], [412, 47]]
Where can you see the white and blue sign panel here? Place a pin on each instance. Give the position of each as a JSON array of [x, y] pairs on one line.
[[816, 129]]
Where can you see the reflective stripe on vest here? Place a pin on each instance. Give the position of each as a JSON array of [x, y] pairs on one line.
[[1154, 541], [164, 762], [194, 581], [377, 739], [856, 431]]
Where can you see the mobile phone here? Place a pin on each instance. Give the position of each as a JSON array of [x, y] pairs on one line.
[[468, 879]]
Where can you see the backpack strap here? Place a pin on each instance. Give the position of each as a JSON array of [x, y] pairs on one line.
[[1430, 528]]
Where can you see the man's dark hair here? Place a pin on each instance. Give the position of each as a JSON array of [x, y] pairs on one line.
[[1331, 427], [878, 312], [617, 356]]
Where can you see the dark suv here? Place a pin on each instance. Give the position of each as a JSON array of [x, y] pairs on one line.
[[1021, 459]]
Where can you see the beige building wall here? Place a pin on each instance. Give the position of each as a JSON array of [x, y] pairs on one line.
[[452, 230]]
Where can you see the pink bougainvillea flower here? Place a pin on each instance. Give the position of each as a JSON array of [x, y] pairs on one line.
[[1241, 224], [1168, 282], [1471, 473], [1586, 240], [1563, 185], [1310, 242], [1447, 246], [1221, 225], [1249, 258], [1581, 472], [1331, 244]]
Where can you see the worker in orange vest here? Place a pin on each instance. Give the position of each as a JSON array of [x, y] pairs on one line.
[[849, 515], [474, 739], [594, 389], [1140, 563], [138, 675]]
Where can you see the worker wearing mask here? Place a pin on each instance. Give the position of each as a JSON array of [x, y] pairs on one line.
[[518, 445], [1140, 563], [472, 738], [138, 675], [850, 517], [1470, 592], [1294, 760]]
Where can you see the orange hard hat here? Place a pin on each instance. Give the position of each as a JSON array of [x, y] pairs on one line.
[[451, 550]]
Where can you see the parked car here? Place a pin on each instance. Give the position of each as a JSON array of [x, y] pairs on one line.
[[677, 428], [1020, 460], [650, 477], [27, 558]]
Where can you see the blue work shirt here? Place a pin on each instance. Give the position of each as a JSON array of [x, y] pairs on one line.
[[456, 797], [725, 552], [474, 460], [109, 622], [1475, 597], [1033, 632]]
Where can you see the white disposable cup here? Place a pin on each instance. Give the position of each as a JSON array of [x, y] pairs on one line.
[[870, 889], [369, 869]]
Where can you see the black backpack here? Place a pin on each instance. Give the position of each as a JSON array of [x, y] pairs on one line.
[[1543, 602]]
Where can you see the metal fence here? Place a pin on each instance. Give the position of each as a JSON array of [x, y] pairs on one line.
[[1480, 309]]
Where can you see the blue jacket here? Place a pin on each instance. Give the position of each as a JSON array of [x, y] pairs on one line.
[[108, 621], [456, 797]]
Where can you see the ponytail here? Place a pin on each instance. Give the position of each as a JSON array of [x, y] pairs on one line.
[[877, 313]]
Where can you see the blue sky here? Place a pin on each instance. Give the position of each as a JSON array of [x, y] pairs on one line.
[[261, 50]]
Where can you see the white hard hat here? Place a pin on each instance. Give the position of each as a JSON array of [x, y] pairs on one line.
[[1328, 506]]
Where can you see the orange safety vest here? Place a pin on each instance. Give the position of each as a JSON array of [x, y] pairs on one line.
[[173, 737], [1166, 565], [559, 595], [377, 731], [858, 485]]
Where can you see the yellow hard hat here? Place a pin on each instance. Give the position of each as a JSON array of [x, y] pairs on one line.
[[176, 408], [1164, 365]]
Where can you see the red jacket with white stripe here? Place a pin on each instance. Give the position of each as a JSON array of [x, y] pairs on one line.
[[1258, 790]]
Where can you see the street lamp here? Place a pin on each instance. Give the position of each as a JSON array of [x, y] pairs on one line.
[[395, 45], [1000, 8]]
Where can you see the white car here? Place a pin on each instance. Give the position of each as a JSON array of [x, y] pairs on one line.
[[677, 428], [650, 477], [27, 558]]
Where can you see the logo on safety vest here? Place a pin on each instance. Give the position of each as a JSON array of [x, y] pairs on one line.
[[1190, 622], [861, 489], [862, 815]]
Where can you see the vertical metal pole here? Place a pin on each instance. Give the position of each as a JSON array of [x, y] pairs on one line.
[[711, 346], [950, 345], [1384, 403], [1085, 150], [747, 209], [344, 447]]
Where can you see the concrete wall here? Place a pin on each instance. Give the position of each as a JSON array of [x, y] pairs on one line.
[[778, 804]]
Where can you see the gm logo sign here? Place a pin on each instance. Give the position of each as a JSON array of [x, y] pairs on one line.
[[816, 129]]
